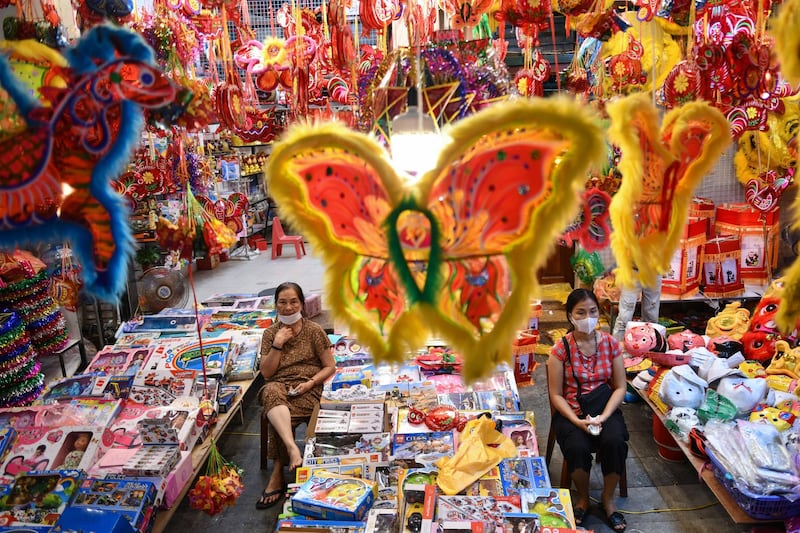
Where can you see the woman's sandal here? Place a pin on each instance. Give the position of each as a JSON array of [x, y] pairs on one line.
[[579, 515], [262, 504], [617, 521]]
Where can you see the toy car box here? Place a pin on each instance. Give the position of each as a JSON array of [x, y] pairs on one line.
[[76, 519], [130, 498], [554, 506], [523, 473], [332, 497]]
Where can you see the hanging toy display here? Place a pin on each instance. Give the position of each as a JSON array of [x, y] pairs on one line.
[[402, 262], [660, 166], [111, 78], [21, 381], [25, 289]]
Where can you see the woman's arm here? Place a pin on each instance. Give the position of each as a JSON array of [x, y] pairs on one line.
[[555, 389], [619, 384], [328, 367], [270, 356]]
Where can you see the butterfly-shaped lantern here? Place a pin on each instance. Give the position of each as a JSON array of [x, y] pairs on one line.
[[660, 170], [455, 255]]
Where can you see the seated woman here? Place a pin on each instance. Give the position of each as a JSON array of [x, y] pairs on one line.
[[296, 359], [582, 361]]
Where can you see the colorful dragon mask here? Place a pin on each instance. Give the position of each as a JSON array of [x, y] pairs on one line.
[[660, 170], [457, 254]]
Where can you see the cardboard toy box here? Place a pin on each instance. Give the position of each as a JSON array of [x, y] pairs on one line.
[[152, 461], [477, 508], [42, 448], [130, 498], [183, 357], [554, 506], [33, 502], [331, 497], [75, 519], [418, 508], [426, 447], [155, 384], [522, 473]]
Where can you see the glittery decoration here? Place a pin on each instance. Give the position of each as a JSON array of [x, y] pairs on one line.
[[21, 380]]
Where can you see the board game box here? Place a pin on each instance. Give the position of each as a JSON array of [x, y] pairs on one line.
[[130, 498], [34, 502]]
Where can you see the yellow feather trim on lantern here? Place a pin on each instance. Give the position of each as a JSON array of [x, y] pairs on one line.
[[787, 39], [648, 155], [311, 165]]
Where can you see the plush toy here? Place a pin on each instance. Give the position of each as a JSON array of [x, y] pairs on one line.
[[455, 254], [661, 165], [681, 387], [732, 322], [685, 341], [643, 338]]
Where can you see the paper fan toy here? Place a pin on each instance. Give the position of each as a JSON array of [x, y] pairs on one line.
[[660, 170], [457, 254], [83, 139]]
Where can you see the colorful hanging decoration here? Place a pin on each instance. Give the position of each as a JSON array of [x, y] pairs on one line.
[[466, 12], [530, 16], [590, 228], [269, 62], [530, 81], [764, 193], [229, 210], [21, 379], [660, 169], [456, 254], [111, 79]]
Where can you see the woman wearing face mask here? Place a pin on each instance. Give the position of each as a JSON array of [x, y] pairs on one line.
[[296, 359], [589, 358]]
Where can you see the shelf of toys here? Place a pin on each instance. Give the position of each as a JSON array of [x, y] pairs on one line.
[[725, 399]]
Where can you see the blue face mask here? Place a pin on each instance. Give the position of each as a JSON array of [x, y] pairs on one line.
[[585, 325]]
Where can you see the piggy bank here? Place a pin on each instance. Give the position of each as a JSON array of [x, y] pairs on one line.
[[643, 338], [681, 387], [731, 322]]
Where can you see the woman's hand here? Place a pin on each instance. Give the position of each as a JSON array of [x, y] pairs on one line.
[[282, 335], [302, 388], [584, 424]]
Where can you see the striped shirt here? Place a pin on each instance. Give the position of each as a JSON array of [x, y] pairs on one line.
[[592, 370]]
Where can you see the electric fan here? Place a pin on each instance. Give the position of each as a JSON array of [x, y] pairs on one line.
[[162, 287]]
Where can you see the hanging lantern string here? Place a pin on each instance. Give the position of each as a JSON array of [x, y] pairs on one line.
[[199, 335]]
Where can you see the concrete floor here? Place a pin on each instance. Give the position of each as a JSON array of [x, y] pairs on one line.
[[660, 493]]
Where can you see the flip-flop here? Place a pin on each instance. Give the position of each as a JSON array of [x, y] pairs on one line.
[[579, 515], [617, 521], [264, 495]]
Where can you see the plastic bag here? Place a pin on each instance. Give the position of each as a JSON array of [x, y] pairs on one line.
[[482, 448]]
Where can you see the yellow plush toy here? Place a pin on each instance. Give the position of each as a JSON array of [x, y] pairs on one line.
[[787, 39], [785, 360], [660, 166]]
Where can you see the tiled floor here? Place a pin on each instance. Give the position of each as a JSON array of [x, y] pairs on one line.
[[661, 494]]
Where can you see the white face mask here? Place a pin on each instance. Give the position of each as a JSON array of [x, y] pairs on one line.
[[585, 325], [290, 319]]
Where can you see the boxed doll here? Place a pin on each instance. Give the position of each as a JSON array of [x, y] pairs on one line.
[[7, 436], [332, 497], [113, 361], [33, 502], [130, 498], [554, 506], [67, 388], [59, 448]]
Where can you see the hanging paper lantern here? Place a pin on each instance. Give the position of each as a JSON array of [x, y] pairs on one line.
[[682, 85], [529, 16], [765, 192]]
